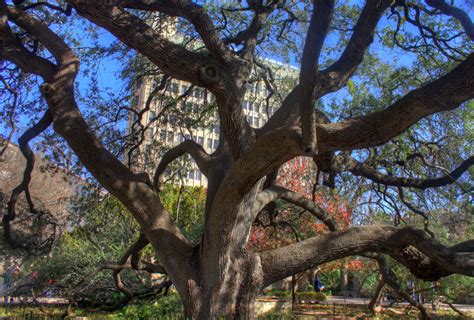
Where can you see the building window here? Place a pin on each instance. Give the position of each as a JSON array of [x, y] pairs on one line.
[[184, 88], [149, 134], [250, 119], [174, 87], [201, 140], [267, 92], [198, 93], [151, 115], [189, 106], [209, 143], [172, 119], [135, 101], [191, 174], [216, 143]]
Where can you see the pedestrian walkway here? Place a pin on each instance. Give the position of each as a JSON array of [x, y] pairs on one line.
[[365, 301], [30, 300]]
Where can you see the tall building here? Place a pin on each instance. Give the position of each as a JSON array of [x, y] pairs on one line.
[[180, 112]]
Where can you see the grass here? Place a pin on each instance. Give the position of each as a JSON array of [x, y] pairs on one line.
[[169, 309]]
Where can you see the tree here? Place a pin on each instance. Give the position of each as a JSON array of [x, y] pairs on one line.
[[219, 276]]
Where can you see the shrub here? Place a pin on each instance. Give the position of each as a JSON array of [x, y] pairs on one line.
[[169, 307], [279, 293]]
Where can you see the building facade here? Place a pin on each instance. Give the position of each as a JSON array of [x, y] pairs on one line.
[[170, 112]]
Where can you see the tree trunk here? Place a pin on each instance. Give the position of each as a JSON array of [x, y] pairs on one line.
[[344, 279], [232, 298]]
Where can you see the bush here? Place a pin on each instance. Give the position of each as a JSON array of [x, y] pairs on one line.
[[279, 293], [310, 296], [169, 307]]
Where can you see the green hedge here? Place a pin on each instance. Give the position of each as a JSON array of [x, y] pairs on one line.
[[279, 293]]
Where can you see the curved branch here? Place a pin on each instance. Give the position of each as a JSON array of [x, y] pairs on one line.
[[128, 187], [272, 193], [133, 251], [23, 141], [346, 163], [317, 32], [192, 12], [444, 94], [392, 282], [336, 75], [411, 247], [196, 151], [362, 37], [60, 50], [375, 300], [248, 37], [172, 58], [12, 49], [456, 13]]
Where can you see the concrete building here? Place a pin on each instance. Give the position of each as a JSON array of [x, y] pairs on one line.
[[181, 112]]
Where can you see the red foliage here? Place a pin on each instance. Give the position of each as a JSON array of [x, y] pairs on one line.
[[299, 175]]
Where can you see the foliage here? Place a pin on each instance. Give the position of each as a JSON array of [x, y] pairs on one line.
[[95, 241], [279, 293], [186, 205], [168, 307], [347, 83], [82, 250]]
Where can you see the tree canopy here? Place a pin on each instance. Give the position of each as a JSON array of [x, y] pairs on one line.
[[382, 105]]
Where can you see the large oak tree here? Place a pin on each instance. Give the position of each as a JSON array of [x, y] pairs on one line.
[[220, 276]]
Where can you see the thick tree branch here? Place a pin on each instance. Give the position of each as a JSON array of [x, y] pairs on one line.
[[445, 93], [172, 58], [456, 13], [363, 36], [375, 300], [275, 192], [248, 37], [196, 151], [12, 49], [60, 50], [389, 278], [192, 12], [317, 32], [336, 75], [346, 163], [135, 263], [283, 262], [129, 188]]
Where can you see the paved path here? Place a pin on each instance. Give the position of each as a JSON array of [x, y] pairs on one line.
[[42, 301], [365, 301], [339, 300]]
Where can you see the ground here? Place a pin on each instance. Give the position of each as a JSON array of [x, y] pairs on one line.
[[334, 308]]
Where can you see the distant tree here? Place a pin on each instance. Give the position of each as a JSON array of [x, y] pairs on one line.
[[396, 119]]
